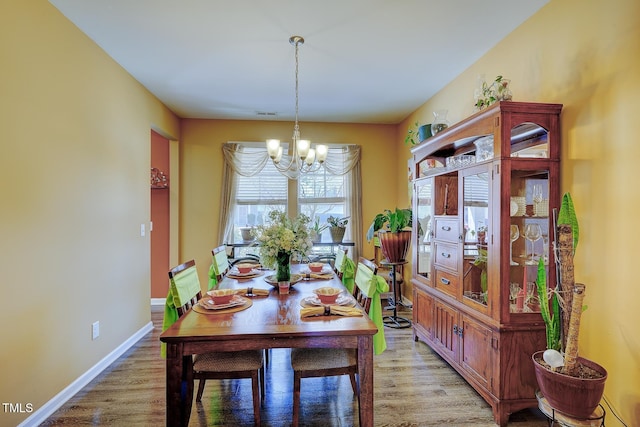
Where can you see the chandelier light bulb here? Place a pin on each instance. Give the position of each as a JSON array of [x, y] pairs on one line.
[[311, 156], [303, 148], [278, 156], [321, 153], [272, 147]]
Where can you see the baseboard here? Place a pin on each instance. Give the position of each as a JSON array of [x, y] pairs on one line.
[[158, 301], [39, 416]]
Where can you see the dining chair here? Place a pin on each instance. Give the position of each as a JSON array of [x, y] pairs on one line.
[[341, 253], [186, 291], [327, 362], [220, 263]]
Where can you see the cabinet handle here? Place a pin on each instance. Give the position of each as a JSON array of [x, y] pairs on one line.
[[445, 281], [446, 228], [446, 255], [460, 331], [455, 329]]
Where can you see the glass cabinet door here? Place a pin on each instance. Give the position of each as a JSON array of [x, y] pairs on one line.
[[424, 214], [528, 237], [475, 214]]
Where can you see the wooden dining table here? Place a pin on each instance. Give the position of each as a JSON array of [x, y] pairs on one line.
[[271, 321]]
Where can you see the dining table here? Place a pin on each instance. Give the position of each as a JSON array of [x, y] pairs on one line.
[[264, 322]]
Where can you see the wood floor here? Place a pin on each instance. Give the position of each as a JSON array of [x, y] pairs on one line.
[[413, 387]]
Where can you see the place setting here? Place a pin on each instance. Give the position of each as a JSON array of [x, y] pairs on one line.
[[222, 301], [318, 271], [329, 301], [245, 271]]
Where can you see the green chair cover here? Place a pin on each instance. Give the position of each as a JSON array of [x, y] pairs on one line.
[[373, 285], [182, 288], [218, 267], [348, 273]]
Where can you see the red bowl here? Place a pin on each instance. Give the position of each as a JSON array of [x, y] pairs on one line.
[[327, 295], [221, 296], [244, 268], [316, 267]]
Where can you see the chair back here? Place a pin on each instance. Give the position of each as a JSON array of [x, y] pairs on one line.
[[341, 253], [220, 261], [185, 286], [364, 274]]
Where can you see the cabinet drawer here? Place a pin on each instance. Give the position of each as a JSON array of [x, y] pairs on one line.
[[447, 230], [446, 282], [446, 255]]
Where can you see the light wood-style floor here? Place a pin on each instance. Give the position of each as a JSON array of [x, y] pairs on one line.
[[413, 387]]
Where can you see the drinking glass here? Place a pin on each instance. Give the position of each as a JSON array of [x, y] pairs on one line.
[[514, 234], [533, 233], [537, 193]]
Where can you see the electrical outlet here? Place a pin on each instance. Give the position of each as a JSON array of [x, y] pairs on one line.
[[95, 330], [142, 230]]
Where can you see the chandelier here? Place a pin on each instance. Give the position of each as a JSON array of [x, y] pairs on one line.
[[303, 158]]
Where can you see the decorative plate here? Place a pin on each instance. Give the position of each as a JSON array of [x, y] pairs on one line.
[[513, 208], [208, 303], [295, 278], [343, 299]]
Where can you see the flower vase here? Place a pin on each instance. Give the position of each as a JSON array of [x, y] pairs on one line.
[[283, 271]]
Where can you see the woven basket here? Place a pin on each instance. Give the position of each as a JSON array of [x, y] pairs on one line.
[[337, 234]]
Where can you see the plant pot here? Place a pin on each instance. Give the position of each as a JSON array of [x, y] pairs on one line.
[[573, 396], [424, 132], [337, 234], [394, 245]]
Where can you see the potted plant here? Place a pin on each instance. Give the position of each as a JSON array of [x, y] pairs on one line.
[[571, 384], [498, 90], [394, 233], [417, 133], [317, 229], [337, 227]]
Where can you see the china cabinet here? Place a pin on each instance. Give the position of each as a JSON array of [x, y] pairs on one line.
[[484, 191]]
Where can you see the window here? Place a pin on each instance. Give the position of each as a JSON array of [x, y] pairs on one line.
[[318, 194], [321, 195], [254, 187], [257, 195]]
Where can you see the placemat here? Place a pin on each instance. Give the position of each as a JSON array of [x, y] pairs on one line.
[[247, 303]]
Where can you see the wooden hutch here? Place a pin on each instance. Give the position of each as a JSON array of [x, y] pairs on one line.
[[483, 193]]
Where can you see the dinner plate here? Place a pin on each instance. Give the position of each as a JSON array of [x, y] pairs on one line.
[[343, 299], [210, 305], [235, 274], [295, 278], [325, 270]]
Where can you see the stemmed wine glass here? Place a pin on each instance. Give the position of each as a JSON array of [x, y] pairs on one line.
[[514, 234], [533, 233]]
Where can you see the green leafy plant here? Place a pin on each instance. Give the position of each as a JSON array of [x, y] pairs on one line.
[[318, 228], [338, 222], [412, 135], [556, 327], [480, 261], [394, 221], [498, 90]]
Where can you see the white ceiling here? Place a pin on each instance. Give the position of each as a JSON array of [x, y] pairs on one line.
[[363, 61]]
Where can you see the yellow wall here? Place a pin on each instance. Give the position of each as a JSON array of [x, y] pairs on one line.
[[585, 55], [74, 174], [201, 157]]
